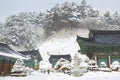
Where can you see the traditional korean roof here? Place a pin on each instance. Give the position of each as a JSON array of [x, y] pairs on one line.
[[102, 36], [66, 56], [104, 31], [32, 54], [100, 41], [5, 50]]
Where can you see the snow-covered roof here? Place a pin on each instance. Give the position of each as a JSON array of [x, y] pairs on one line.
[[32, 53], [83, 33], [65, 56], [5, 50]]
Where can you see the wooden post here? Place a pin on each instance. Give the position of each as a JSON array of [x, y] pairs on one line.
[[109, 60], [3, 62], [95, 58], [9, 66]]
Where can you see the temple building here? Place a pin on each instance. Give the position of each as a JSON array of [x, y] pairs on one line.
[[35, 58], [54, 58], [8, 57], [101, 45]]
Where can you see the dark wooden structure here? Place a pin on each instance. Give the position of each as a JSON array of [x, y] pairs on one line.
[[54, 58], [33, 54], [101, 46]]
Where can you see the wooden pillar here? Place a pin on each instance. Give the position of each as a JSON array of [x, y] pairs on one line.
[[109, 61], [9, 66], [95, 58], [3, 63]]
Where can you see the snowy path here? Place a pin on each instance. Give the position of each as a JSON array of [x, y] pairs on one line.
[[60, 76]]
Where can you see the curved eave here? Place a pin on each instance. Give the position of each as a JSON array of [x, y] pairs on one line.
[[104, 31], [86, 39], [89, 46]]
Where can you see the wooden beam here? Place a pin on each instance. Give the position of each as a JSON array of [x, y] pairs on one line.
[[109, 61]]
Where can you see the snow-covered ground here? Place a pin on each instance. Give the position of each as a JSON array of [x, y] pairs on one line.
[[62, 42], [65, 42], [60, 76]]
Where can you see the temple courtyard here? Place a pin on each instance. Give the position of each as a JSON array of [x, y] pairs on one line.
[[91, 75]]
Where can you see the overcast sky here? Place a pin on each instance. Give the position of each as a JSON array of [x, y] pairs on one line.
[[8, 7]]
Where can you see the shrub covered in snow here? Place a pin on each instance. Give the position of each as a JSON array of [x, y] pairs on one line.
[[115, 65], [103, 67], [63, 65], [92, 65]]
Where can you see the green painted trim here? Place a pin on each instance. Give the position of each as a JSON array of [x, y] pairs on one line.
[[115, 58], [102, 60], [93, 47]]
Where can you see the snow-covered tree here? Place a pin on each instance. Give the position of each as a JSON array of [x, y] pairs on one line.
[[23, 31], [108, 18], [19, 69], [116, 18], [19, 66], [86, 10], [67, 10]]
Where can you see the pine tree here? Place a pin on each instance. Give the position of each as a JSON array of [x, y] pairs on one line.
[[107, 18], [23, 30], [116, 18]]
